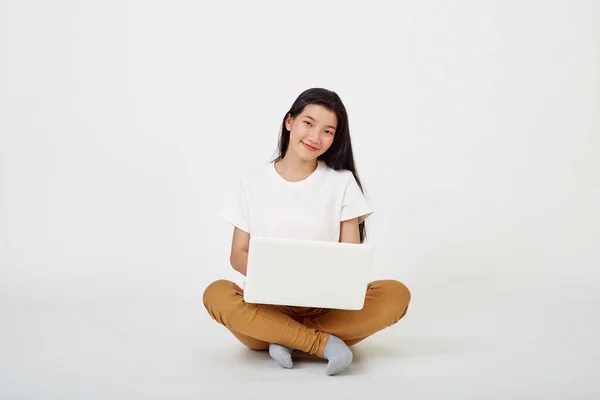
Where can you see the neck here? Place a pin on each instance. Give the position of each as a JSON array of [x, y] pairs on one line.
[[296, 168]]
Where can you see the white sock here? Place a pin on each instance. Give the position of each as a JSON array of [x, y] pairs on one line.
[[338, 354], [281, 354]]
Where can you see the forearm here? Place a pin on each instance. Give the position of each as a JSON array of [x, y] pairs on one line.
[[239, 261]]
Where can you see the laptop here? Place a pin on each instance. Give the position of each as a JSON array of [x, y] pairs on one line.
[[306, 273]]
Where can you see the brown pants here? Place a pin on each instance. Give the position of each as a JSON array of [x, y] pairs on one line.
[[303, 328]]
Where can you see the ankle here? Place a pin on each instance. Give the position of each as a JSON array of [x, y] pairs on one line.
[[334, 346]]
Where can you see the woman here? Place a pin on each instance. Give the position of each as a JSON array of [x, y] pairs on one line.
[[310, 191]]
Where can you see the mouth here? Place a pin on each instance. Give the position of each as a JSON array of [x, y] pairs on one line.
[[310, 148]]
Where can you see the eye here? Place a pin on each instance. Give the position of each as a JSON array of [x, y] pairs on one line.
[[307, 123], [329, 132]]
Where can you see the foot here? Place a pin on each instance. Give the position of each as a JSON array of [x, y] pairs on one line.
[[338, 354], [281, 354]]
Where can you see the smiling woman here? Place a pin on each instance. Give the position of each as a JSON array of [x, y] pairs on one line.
[[316, 136], [310, 191]]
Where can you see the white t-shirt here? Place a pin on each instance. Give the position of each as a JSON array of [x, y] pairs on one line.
[[269, 206]]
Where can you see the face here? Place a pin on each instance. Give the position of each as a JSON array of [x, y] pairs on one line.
[[311, 132]]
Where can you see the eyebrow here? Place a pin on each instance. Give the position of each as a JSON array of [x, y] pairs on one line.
[[328, 126]]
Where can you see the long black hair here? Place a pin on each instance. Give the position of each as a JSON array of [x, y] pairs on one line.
[[339, 156]]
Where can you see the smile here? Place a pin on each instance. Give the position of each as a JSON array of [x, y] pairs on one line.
[[309, 147]]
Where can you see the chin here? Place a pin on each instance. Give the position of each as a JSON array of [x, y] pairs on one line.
[[307, 155]]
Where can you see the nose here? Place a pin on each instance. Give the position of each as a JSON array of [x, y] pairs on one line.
[[313, 137]]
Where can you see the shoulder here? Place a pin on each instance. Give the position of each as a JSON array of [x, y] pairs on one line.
[[341, 177]]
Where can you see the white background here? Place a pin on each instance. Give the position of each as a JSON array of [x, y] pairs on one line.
[[476, 130]]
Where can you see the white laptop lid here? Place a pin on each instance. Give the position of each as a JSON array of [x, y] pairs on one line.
[[307, 273]]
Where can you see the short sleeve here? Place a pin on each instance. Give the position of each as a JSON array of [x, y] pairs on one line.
[[355, 204], [235, 208]]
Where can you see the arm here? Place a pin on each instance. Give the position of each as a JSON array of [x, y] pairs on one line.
[[240, 244], [349, 232]]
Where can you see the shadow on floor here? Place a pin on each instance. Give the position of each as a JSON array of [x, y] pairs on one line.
[[371, 350]]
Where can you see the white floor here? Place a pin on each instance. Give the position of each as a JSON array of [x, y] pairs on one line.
[[142, 347]]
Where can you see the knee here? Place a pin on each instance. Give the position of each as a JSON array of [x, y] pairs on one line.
[[399, 291], [397, 297], [216, 293]]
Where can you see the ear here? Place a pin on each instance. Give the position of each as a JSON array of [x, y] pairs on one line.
[[288, 122]]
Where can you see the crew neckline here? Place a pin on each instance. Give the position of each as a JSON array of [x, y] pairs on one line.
[[310, 177]]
